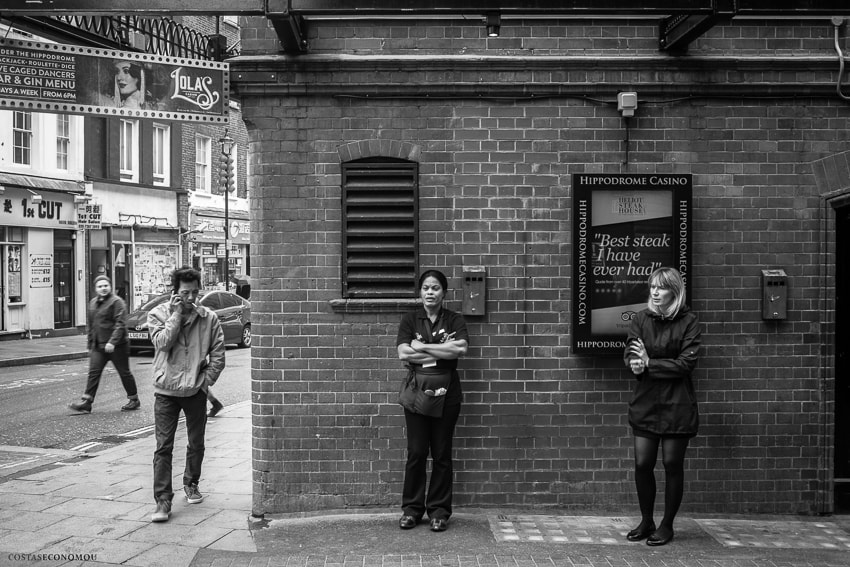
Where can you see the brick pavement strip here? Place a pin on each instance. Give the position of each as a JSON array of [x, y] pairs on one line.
[[203, 559]]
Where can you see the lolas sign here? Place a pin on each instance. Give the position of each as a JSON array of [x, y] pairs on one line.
[[46, 77]]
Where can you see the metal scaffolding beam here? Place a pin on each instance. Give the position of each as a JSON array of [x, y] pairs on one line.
[[683, 20]]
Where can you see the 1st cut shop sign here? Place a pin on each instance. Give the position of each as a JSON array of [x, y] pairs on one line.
[[625, 227]]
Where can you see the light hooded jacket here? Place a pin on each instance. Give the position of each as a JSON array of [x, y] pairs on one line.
[[189, 354], [107, 322], [664, 401]]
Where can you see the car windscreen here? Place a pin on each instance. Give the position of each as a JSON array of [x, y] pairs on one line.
[[154, 302]]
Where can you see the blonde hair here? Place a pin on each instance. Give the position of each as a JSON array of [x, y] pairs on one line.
[[671, 279]]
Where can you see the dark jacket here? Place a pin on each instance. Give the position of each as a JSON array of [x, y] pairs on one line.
[[417, 325], [664, 401], [107, 321]]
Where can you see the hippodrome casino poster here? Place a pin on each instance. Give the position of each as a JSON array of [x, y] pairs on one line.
[[624, 227]]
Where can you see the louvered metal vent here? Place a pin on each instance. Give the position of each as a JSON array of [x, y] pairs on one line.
[[380, 229]]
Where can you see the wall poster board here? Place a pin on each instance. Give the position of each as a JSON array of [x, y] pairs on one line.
[[626, 226]]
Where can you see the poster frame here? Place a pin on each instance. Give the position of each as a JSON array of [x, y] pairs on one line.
[[679, 187]]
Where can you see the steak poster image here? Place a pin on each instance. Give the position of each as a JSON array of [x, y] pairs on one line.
[[625, 226]]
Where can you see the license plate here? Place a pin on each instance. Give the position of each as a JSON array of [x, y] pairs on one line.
[[138, 335]]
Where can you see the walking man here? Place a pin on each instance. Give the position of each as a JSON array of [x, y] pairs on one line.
[[107, 340], [188, 360]]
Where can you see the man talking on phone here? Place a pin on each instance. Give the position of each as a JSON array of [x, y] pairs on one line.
[[189, 358]]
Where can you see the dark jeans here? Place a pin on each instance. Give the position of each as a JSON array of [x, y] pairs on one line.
[[426, 434], [166, 412], [120, 358]]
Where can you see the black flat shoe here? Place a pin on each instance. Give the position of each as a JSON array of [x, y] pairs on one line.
[[643, 531], [439, 525], [406, 522], [660, 537]]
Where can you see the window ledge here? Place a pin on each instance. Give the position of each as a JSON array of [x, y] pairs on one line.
[[401, 305]]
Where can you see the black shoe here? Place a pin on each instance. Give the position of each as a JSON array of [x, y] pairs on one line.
[[216, 407], [662, 536], [131, 405], [643, 531], [83, 406], [407, 522], [439, 525]]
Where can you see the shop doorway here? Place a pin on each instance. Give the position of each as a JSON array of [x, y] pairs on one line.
[[842, 361], [63, 280]]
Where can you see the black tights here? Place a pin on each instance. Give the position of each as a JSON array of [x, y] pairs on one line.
[[646, 453]]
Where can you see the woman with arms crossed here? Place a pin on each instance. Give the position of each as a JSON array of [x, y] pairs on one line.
[[431, 337], [662, 349]]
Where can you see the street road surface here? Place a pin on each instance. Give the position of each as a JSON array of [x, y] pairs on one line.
[[34, 402]]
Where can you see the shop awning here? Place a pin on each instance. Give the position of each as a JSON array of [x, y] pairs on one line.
[[43, 183]]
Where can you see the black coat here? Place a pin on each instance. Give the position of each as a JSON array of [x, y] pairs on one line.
[[664, 401], [107, 321]]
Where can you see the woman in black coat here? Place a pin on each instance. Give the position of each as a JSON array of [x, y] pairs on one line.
[[662, 348]]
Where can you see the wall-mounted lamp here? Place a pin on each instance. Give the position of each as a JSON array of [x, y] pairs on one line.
[[494, 24], [79, 199], [2, 189], [36, 198]]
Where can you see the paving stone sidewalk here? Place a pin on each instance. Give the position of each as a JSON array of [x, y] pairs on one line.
[[69, 508]]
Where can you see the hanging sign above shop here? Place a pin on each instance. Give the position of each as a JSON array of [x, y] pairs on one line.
[[46, 77], [625, 227], [89, 216]]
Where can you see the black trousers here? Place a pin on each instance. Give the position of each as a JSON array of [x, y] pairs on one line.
[[166, 412], [429, 435], [120, 357]]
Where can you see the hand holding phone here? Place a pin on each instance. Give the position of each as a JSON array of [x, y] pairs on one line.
[[176, 303]]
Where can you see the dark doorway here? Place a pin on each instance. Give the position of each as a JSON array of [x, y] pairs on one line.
[[842, 361], [63, 280]]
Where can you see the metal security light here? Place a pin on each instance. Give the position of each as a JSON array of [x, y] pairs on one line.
[[627, 103], [36, 198], [494, 24]]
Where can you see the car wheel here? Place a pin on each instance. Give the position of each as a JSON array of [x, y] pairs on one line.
[[246, 337]]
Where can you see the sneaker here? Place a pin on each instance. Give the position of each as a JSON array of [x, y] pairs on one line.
[[193, 495], [131, 405], [163, 511], [216, 407], [83, 406]]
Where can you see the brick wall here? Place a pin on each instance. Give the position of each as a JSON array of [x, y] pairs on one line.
[[498, 128]]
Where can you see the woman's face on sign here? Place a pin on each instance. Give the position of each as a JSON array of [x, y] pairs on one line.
[[127, 83], [431, 292]]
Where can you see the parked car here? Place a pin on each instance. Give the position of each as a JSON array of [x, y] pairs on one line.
[[233, 311]]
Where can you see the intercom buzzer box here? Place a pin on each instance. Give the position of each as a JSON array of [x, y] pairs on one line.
[[774, 295], [474, 290]]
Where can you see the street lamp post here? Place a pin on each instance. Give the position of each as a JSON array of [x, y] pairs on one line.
[[226, 143]]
